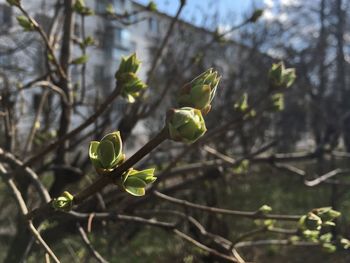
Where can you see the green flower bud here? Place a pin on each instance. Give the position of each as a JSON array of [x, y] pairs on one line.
[[14, 2], [80, 60], [280, 77], [82, 9], [265, 209], [185, 124], [200, 92], [25, 23], [345, 243], [107, 153], [311, 235], [329, 247], [242, 105], [110, 9], [63, 202], [128, 65], [88, 41], [327, 214], [134, 182], [278, 101], [131, 85], [326, 238], [256, 15], [310, 222], [152, 6]]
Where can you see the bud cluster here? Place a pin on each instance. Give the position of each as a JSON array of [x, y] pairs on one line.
[[200, 91], [281, 77], [186, 124], [313, 223], [131, 85], [82, 9]]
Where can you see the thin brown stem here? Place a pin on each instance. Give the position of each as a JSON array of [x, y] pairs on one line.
[[210, 209], [43, 35], [76, 131]]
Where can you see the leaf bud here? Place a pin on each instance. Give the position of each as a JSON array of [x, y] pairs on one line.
[[185, 124], [107, 153]]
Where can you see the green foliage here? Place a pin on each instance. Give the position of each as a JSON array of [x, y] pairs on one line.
[[242, 167], [327, 215], [310, 221], [88, 41], [281, 77], [25, 23], [200, 92], [152, 6], [256, 15], [265, 209], [131, 85], [185, 124], [242, 105], [345, 243], [106, 154], [278, 101], [82, 9], [134, 182], [80, 60], [110, 9], [63, 202]]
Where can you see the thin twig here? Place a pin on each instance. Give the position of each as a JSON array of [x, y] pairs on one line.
[[76, 131], [89, 246], [210, 209], [24, 211], [202, 246], [43, 35]]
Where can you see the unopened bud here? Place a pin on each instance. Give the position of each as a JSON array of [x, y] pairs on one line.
[[265, 209], [152, 6], [185, 124], [256, 15], [82, 9], [278, 101], [63, 202], [310, 222], [281, 77], [327, 214], [131, 85], [200, 92], [25, 23]]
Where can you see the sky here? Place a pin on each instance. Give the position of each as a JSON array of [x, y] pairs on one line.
[[194, 9]]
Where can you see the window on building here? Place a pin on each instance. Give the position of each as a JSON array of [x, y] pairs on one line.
[[133, 46], [5, 60], [153, 25], [99, 76], [100, 6], [5, 16], [121, 37], [76, 29]]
